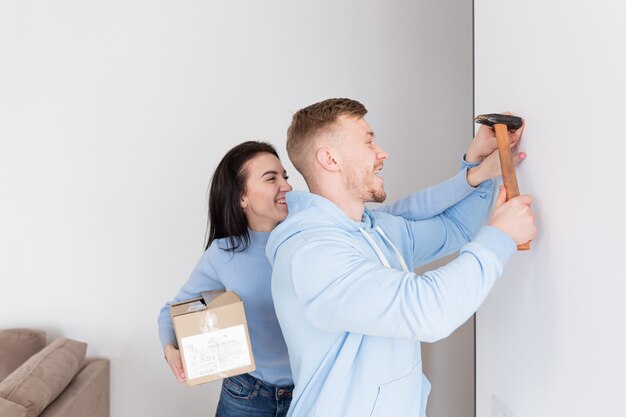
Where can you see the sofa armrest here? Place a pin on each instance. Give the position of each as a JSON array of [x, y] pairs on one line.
[[87, 395]]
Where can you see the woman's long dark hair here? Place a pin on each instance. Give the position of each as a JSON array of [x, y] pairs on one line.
[[228, 184]]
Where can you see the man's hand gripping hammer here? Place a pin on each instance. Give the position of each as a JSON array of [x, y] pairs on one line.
[[501, 124]]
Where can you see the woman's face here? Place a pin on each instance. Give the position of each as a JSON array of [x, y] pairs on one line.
[[263, 201]]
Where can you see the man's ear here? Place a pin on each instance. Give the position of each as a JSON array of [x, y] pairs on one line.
[[326, 158]]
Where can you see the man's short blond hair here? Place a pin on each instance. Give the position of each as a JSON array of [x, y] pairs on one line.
[[314, 123]]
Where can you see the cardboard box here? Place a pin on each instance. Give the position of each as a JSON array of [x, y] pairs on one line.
[[212, 335]]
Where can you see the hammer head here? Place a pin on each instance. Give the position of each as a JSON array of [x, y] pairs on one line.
[[512, 122]]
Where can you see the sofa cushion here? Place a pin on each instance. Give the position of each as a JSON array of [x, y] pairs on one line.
[[87, 395], [16, 346], [41, 379], [9, 409]]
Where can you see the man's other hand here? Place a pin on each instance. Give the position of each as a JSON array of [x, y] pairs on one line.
[[514, 217]]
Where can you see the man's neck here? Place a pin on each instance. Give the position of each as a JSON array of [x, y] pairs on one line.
[[349, 205], [354, 210]]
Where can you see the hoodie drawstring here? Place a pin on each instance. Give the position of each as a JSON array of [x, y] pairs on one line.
[[380, 254]]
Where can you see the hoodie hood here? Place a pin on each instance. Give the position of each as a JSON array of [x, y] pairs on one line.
[[308, 211]]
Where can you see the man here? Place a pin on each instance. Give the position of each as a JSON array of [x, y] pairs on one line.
[[351, 308]]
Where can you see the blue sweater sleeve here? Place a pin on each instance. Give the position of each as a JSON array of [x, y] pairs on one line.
[[445, 233], [433, 200], [353, 292], [203, 278], [423, 241]]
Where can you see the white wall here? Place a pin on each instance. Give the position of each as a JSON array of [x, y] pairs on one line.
[[551, 336], [114, 115]]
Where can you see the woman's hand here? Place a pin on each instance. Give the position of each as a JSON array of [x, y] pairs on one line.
[[172, 356]]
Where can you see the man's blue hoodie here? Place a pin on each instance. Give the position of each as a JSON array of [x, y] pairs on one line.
[[353, 315]]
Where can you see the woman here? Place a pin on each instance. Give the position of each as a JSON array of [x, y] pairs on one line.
[[247, 201]]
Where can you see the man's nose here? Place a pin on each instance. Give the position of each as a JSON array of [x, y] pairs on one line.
[[381, 153]]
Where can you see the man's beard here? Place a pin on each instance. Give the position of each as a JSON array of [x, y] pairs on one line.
[[376, 196], [368, 194]]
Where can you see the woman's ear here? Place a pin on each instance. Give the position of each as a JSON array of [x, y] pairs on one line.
[[326, 158], [244, 202]]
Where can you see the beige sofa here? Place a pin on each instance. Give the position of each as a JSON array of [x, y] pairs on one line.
[[50, 381]]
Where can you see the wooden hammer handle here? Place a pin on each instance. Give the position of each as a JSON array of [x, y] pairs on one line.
[[507, 164]]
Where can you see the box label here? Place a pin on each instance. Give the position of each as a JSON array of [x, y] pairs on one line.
[[216, 351]]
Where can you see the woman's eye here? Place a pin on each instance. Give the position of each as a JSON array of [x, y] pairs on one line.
[[271, 179], [286, 177]]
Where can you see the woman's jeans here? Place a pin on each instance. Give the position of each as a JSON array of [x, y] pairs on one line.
[[246, 396]]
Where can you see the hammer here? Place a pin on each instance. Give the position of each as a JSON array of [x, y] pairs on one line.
[[501, 124]]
